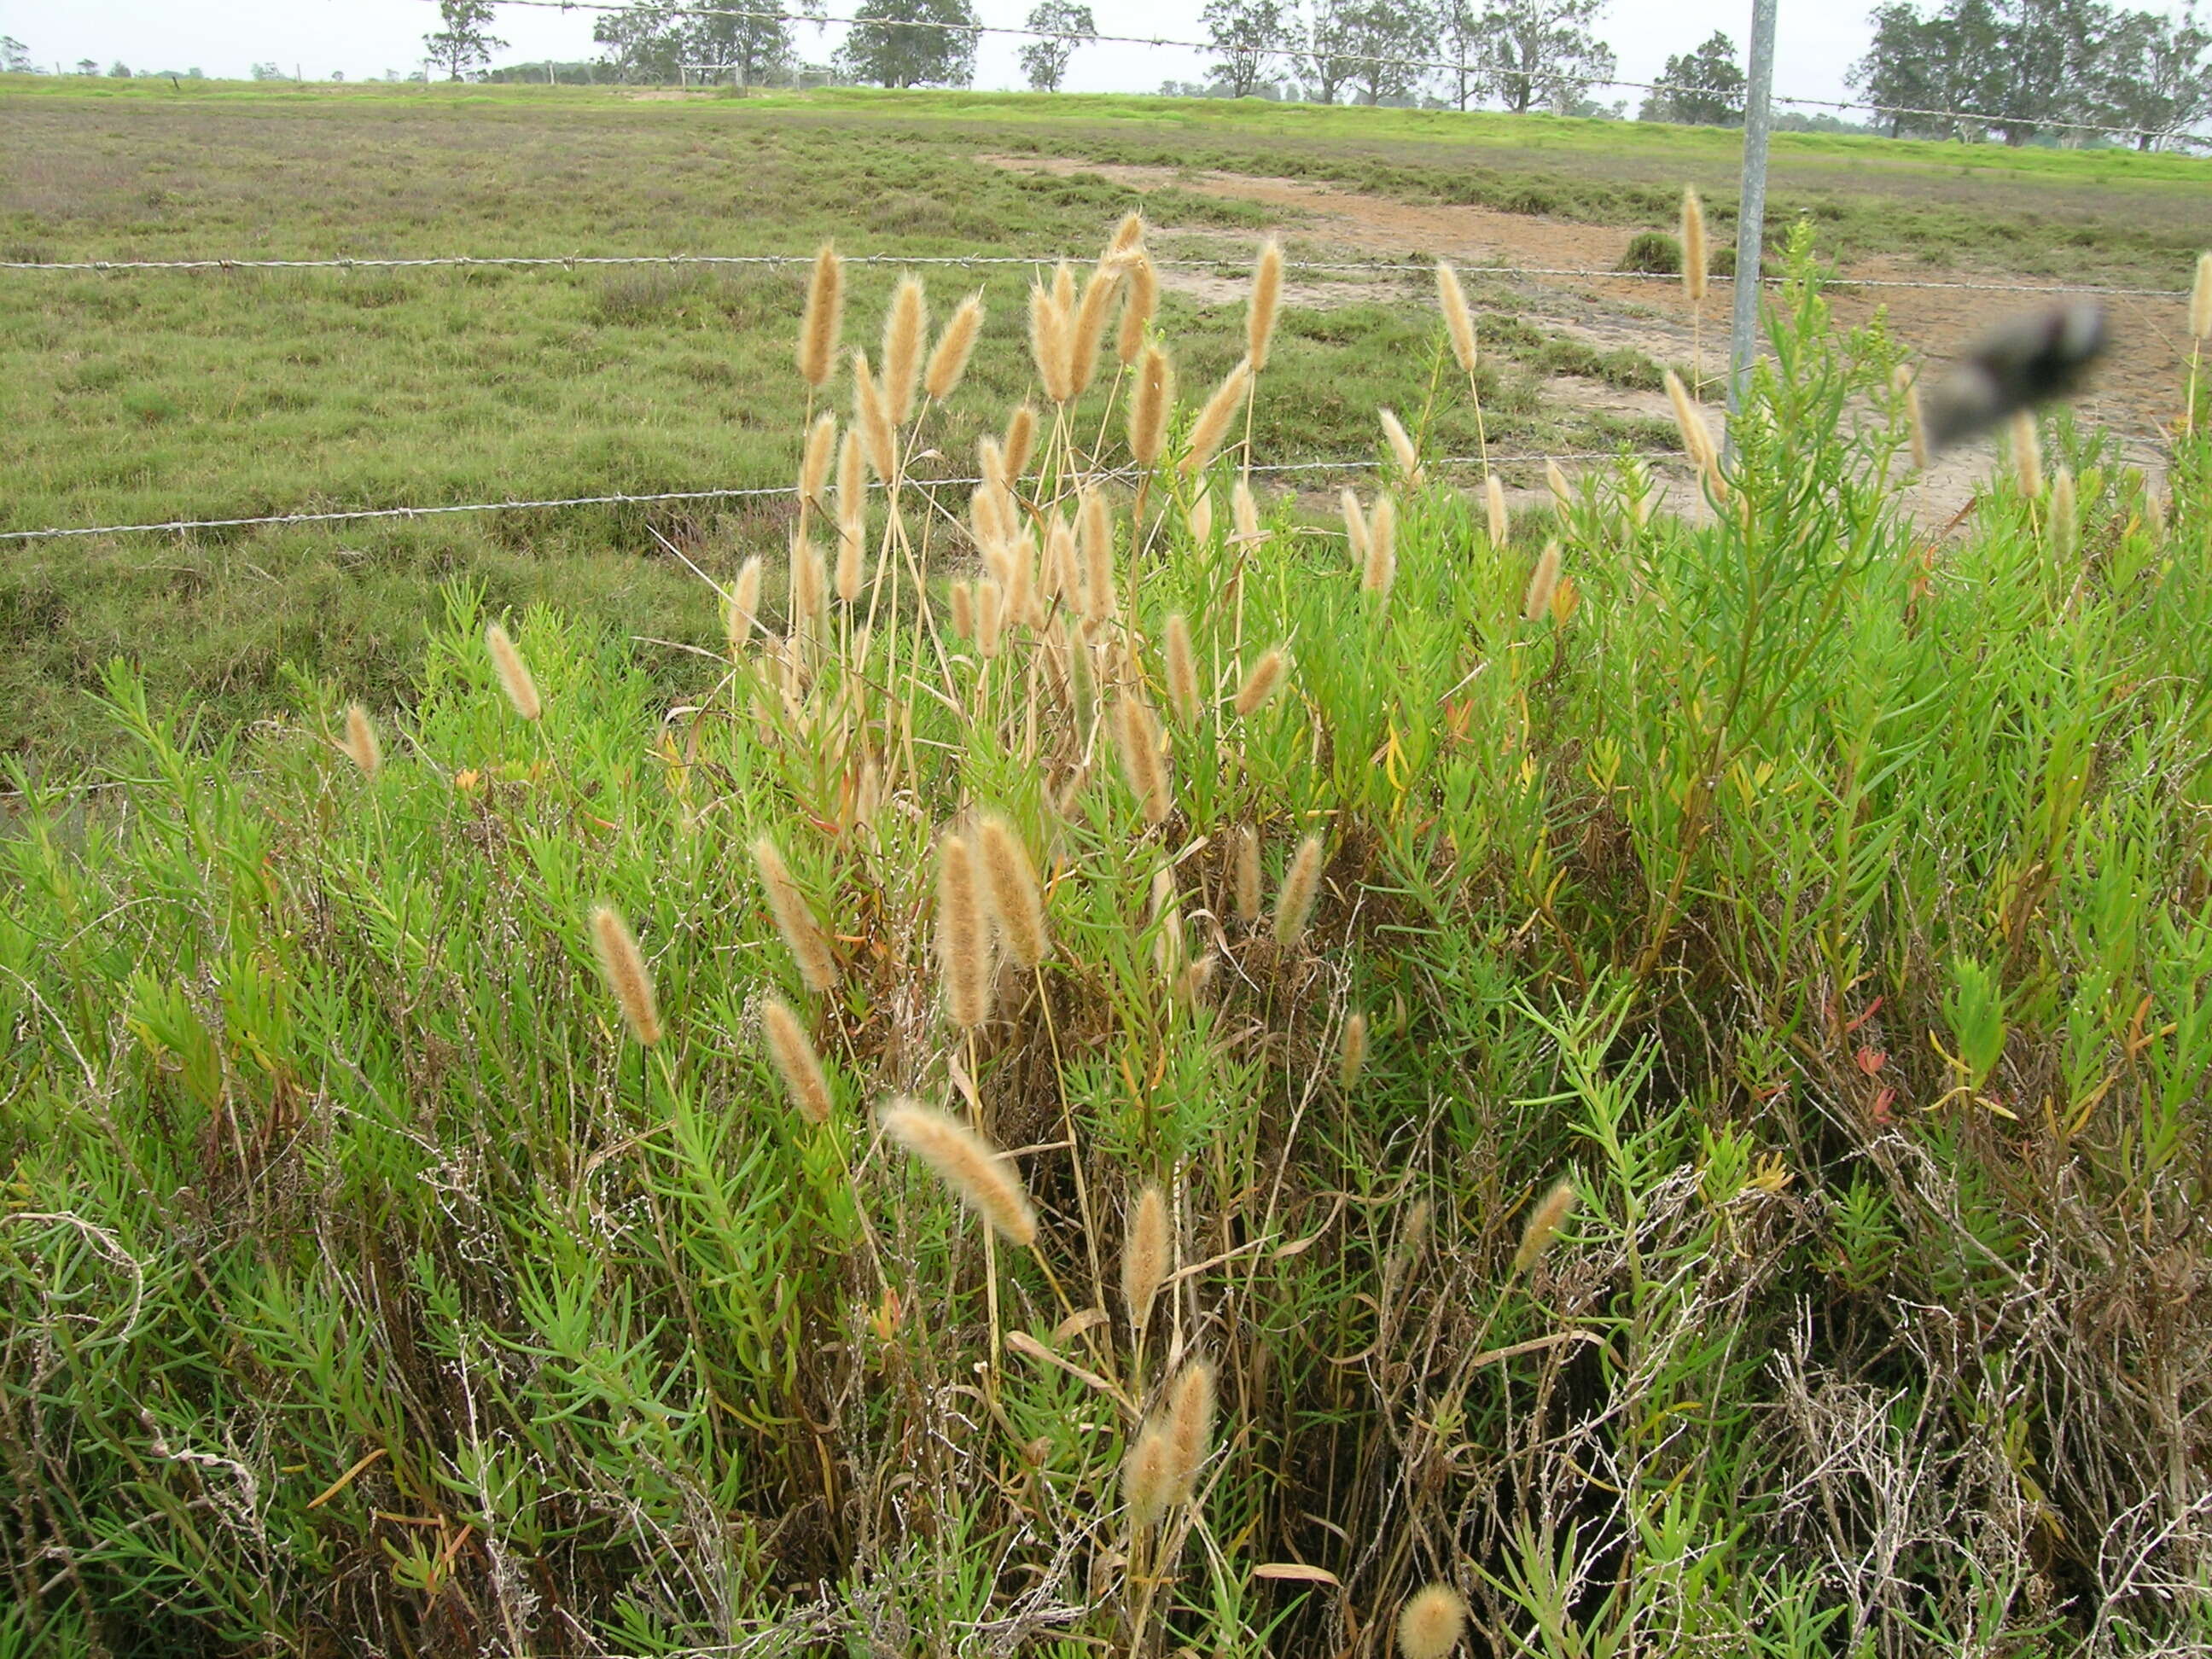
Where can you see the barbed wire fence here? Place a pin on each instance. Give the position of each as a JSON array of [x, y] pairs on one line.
[[1750, 233]]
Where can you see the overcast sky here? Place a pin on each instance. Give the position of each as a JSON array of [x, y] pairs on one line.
[[1816, 40]]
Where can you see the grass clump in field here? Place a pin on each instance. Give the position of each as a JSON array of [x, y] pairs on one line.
[[1215, 1086]]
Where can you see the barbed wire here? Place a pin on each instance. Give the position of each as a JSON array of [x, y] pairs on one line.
[[1297, 53], [357, 514], [1042, 262]]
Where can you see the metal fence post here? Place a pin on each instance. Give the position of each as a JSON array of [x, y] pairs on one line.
[[1751, 214]]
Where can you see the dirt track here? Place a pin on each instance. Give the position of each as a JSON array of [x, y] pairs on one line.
[[2138, 391]]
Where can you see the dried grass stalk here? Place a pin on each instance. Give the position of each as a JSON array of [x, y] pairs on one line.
[[1212, 426], [949, 361], [825, 312], [623, 966], [1431, 1622], [1261, 681], [1543, 1223], [1294, 903], [965, 1162], [795, 1060], [514, 673], [360, 742], [1459, 322], [1137, 738], [794, 918], [1183, 670], [1145, 1255], [1010, 883], [1267, 302], [964, 938]]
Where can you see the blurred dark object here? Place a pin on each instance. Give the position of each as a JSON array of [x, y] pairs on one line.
[[2023, 362]]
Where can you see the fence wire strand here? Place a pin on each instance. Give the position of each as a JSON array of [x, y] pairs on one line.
[[760, 492]]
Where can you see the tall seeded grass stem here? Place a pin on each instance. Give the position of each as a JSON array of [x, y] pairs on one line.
[[1150, 400], [1009, 882], [1244, 862], [965, 1162], [964, 943], [1352, 1054], [1182, 669], [905, 326], [1208, 431], [1432, 1623], [1543, 584], [824, 316], [1145, 1256], [1493, 501], [1137, 309], [1380, 570], [948, 363], [1266, 303], [1294, 903], [514, 673], [360, 742], [1136, 737], [2028, 455], [1189, 1427], [1261, 681], [795, 1061], [1459, 323], [794, 918], [1542, 1225], [623, 967]]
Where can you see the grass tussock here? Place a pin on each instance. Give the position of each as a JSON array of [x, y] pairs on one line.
[[1702, 1155]]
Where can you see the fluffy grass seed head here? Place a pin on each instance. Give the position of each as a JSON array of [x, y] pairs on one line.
[[1694, 257], [1244, 863], [809, 585], [1430, 1623], [794, 918], [1267, 302], [1147, 1475], [1696, 439], [1145, 1255], [1062, 573], [1543, 1223], [741, 614], [1021, 440], [1381, 570], [1543, 584], [871, 415], [964, 934], [825, 314], [514, 673], [1095, 531], [1493, 502], [1556, 480], [1261, 681], [1402, 450], [990, 617], [1137, 309], [1244, 513], [1087, 332], [1010, 884], [1137, 740], [360, 742], [962, 598], [1301, 883], [1050, 324], [623, 966], [1189, 1419], [905, 325], [795, 1060], [949, 361], [814, 465], [2200, 299], [1150, 400], [1182, 669], [1355, 524], [1351, 1053], [2065, 515], [1458, 321], [1212, 426], [965, 1162], [1129, 235], [1200, 518], [2028, 455]]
